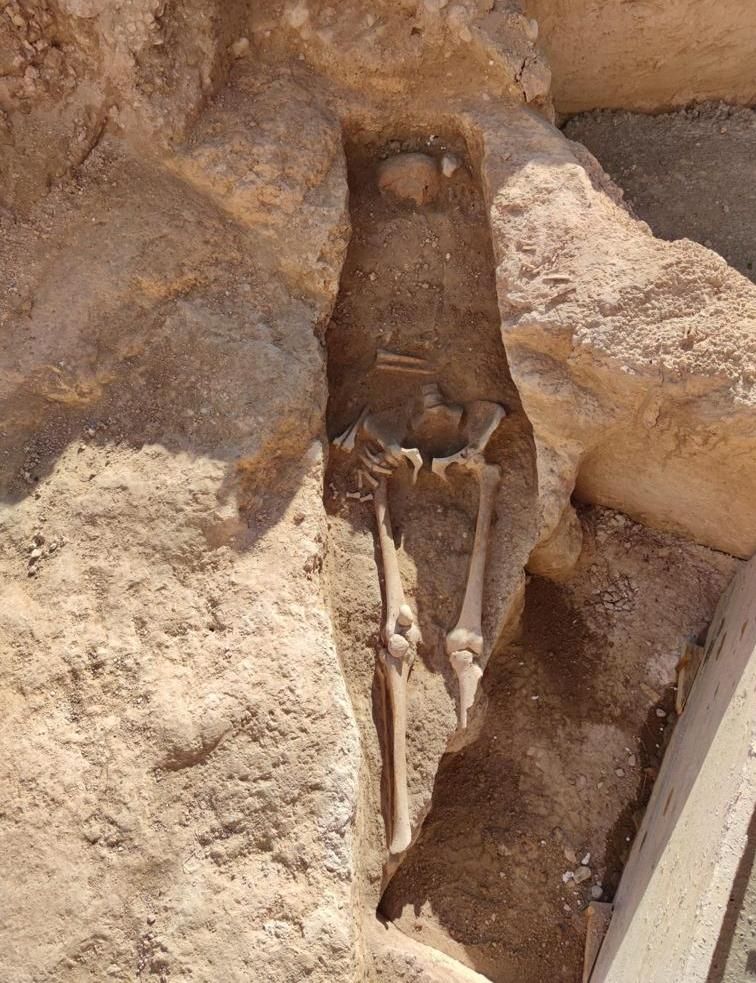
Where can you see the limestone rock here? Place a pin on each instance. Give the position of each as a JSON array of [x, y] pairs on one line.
[[635, 362], [185, 758], [643, 57], [244, 155]]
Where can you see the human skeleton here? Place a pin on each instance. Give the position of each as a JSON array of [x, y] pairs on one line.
[[377, 440]]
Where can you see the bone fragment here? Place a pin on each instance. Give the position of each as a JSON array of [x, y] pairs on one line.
[[383, 355], [406, 369], [399, 641], [367, 478], [346, 440], [373, 465], [467, 634], [489, 416], [395, 361], [469, 675], [405, 616], [415, 460]]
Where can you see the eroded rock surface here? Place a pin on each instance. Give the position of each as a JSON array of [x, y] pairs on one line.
[[184, 775], [607, 53], [635, 362]]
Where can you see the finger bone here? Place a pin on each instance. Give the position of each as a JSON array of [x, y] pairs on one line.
[[346, 440]]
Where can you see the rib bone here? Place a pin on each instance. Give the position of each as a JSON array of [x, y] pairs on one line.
[[400, 635], [465, 640], [395, 362]]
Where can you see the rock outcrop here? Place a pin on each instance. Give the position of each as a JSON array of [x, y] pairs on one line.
[[184, 775], [635, 361], [651, 56]]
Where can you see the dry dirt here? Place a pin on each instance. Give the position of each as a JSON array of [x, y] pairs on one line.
[[690, 174], [575, 719]]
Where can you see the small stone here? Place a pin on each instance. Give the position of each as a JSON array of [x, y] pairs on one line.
[[619, 772], [449, 164], [660, 712], [35, 554], [596, 892], [569, 855], [586, 860], [631, 761], [240, 48], [567, 876], [297, 16], [150, 919], [582, 874]]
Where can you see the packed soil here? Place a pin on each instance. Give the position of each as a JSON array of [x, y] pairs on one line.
[[579, 709], [690, 174]]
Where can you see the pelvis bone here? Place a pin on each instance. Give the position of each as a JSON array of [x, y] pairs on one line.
[[377, 442]]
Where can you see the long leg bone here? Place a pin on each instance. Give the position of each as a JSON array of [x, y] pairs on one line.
[[400, 635], [465, 641]]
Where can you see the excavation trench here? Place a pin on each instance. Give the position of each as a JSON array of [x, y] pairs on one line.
[[562, 748], [418, 282]]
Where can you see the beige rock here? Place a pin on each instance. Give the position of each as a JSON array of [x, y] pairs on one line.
[[634, 361], [172, 688], [606, 53]]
